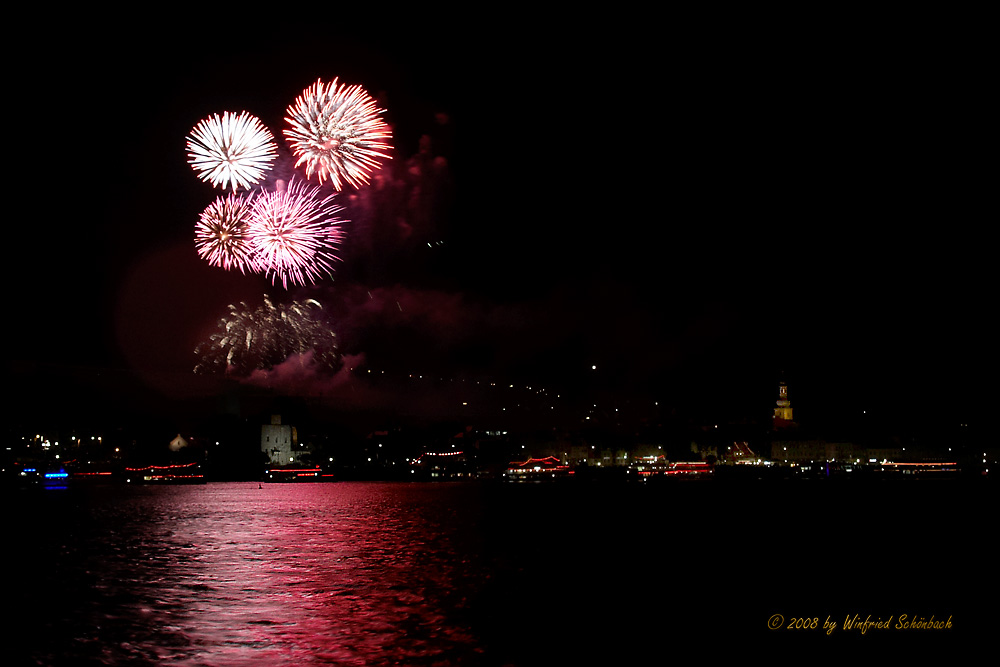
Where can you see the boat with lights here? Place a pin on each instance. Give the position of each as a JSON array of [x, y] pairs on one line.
[[680, 470], [537, 470], [180, 473], [297, 474]]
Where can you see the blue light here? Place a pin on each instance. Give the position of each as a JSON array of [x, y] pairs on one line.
[[51, 475]]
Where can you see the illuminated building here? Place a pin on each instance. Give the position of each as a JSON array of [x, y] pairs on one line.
[[288, 459], [739, 452], [441, 465], [652, 464], [783, 409], [792, 446], [816, 451], [277, 440]]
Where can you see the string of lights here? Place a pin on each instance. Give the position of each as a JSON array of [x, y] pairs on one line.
[[499, 397]]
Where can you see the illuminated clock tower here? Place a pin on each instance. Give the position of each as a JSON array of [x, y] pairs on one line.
[[783, 411]]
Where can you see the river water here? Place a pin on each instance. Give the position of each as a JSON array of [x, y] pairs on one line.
[[357, 573]]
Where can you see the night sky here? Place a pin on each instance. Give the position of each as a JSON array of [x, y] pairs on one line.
[[698, 208]]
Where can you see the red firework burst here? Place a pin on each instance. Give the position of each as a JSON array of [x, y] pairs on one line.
[[338, 133], [221, 235]]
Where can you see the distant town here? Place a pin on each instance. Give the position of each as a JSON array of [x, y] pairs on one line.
[[277, 449]]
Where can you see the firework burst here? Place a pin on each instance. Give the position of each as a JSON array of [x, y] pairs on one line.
[[222, 234], [294, 233], [338, 133], [234, 149], [250, 339]]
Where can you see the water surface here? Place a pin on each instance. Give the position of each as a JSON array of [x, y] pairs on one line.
[[473, 573]]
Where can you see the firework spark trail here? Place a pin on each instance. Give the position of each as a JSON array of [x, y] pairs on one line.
[[222, 235], [234, 149], [250, 339], [294, 233], [338, 132]]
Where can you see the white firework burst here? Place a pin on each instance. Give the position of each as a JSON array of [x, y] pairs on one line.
[[338, 133], [234, 149]]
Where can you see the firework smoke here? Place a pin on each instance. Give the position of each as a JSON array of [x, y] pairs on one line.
[[338, 133], [234, 149]]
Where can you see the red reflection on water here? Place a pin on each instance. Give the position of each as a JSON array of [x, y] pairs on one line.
[[299, 574]]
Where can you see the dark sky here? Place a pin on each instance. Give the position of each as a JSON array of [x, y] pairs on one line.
[[696, 207]]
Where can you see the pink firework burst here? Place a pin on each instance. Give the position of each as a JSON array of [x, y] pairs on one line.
[[294, 233], [221, 235], [338, 133], [234, 149]]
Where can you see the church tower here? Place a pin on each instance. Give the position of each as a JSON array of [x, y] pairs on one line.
[[783, 411]]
